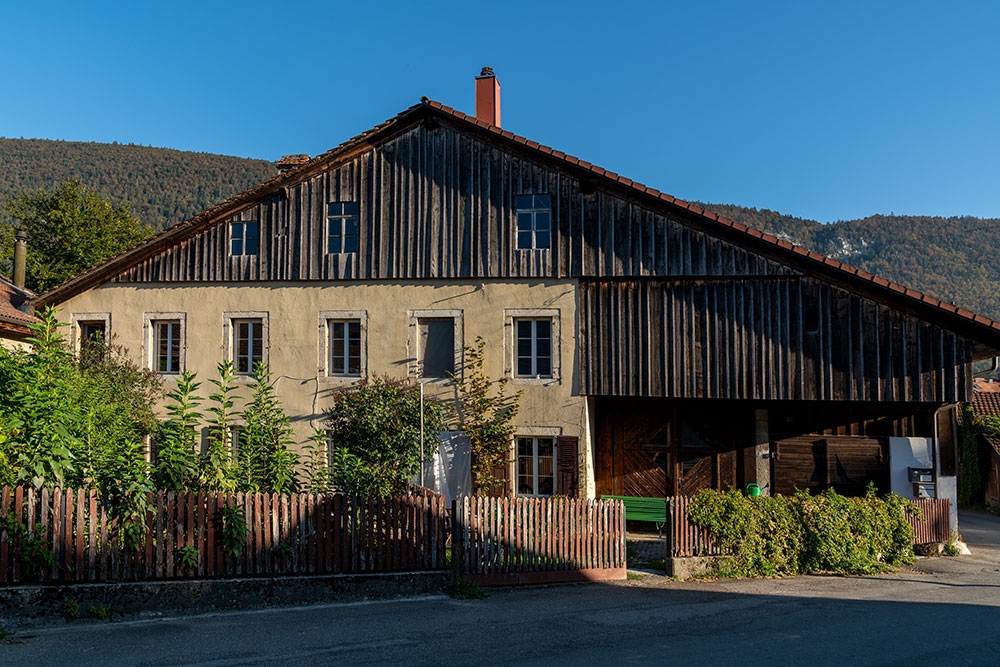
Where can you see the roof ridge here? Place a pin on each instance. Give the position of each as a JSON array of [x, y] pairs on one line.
[[714, 217]]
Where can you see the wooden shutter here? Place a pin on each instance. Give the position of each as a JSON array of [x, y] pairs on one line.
[[568, 455]]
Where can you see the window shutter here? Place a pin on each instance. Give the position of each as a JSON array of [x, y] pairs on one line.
[[568, 452], [501, 490]]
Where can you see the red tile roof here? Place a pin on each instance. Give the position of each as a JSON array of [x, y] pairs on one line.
[[11, 298]]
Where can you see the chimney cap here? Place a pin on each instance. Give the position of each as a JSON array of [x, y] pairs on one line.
[[487, 71]]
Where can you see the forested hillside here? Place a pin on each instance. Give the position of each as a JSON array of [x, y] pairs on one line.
[[163, 186], [954, 259]]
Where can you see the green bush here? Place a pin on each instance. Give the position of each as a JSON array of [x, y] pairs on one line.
[[799, 534]]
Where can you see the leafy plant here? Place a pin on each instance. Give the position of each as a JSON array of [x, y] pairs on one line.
[[71, 609], [266, 460], [319, 479], [176, 462], [234, 530], [486, 415], [950, 549], [186, 557], [973, 457], [40, 408], [97, 611], [375, 434], [216, 471]]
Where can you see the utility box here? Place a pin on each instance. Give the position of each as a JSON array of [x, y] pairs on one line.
[[921, 475]]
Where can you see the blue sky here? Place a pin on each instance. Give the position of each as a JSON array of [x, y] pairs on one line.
[[823, 110]]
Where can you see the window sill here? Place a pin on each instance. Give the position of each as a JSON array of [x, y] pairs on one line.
[[340, 379], [535, 380]]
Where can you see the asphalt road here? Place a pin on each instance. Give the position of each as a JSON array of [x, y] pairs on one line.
[[942, 611]]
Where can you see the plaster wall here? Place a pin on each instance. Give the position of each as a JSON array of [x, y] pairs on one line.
[[296, 340]]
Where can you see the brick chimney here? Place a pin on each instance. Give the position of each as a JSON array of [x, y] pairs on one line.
[[291, 161], [488, 97]]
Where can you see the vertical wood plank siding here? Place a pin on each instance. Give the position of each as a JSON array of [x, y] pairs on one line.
[[783, 338], [440, 204]]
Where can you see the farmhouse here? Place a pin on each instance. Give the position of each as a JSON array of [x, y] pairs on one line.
[[661, 348]]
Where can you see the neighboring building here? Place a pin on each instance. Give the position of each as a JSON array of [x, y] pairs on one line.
[[14, 318], [661, 348], [986, 403]]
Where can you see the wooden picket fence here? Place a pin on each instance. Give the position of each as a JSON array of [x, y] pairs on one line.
[[685, 539], [66, 535], [506, 541]]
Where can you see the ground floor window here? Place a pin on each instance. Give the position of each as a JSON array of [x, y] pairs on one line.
[[536, 459]]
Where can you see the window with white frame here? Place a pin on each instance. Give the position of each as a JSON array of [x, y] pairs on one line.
[[534, 221], [167, 346], [342, 227], [536, 466], [244, 237], [345, 347], [533, 347], [248, 344]]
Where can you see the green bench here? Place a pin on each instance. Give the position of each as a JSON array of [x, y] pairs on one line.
[[643, 509]]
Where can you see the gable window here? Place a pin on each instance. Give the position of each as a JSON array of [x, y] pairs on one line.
[[534, 221], [437, 346], [533, 345], [536, 466], [248, 344], [244, 237], [342, 227], [167, 346], [345, 347]]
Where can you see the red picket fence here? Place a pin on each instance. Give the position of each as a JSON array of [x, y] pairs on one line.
[[505, 541], [66, 535], [685, 539]]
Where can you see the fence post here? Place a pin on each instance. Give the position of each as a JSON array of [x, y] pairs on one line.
[[671, 528], [457, 543]]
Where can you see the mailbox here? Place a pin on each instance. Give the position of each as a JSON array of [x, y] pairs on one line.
[[921, 475]]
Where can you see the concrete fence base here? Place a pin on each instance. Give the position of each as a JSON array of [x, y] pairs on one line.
[[35, 606]]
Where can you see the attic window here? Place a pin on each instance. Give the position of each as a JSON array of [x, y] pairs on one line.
[[244, 237], [342, 227], [534, 221]]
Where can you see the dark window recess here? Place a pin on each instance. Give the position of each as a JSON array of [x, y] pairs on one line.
[[236, 440], [248, 344], [342, 227], [534, 347], [534, 221], [92, 335], [437, 347], [244, 237], [168, 346], [345, 347]]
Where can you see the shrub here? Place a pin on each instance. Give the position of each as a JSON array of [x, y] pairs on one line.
[[785, 535], [265, 458], [375, 432]]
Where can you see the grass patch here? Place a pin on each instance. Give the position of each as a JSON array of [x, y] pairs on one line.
[[468, 590]]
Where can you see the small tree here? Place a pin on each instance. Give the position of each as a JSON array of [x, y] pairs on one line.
[[69, 229], [375, 432], [486, 414], [176, 460]]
